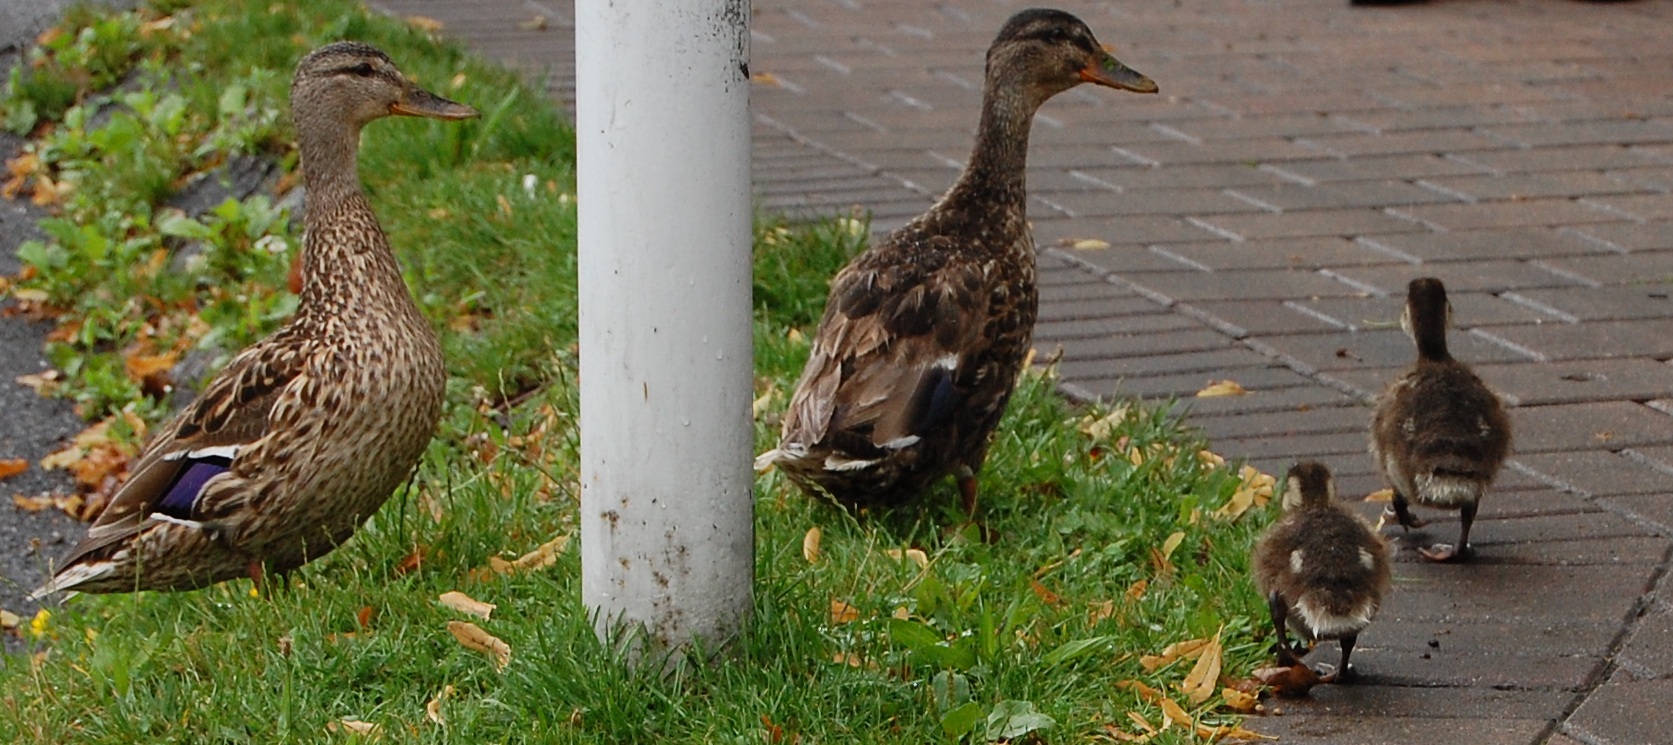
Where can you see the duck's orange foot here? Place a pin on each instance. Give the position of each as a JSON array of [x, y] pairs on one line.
[[1445, 553]]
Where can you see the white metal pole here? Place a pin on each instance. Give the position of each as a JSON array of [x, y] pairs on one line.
[[667, 532]]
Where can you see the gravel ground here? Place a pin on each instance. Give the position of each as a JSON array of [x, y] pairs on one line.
[[30, 426]]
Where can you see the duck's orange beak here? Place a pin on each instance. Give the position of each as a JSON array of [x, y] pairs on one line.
[[1109, 71]]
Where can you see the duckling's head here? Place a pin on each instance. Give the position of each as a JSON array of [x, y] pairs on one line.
[[1308, 485], [351, 83], [1427, 316], [1050, 51]]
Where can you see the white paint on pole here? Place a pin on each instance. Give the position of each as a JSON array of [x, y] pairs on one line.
[[667, 532]]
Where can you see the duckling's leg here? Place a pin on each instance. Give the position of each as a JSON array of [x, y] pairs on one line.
[[1342, 673], [1280, 613], [966, 479], [1403, 512], [1443, 552]]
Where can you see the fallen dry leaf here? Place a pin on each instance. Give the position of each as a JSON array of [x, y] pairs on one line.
[[1220, 388], [1089, 244], [545, 555], [12, 467], [354, 727], [537, 23], [1146, 693], [1287, 681], [432, 710], [424, 23], [1173, 713], [466, 604], [1185, 650], [1098, 612], [842, 612], [914, 555], [1242, 702], [145, 368], [1380, 495], [1045, 594], [9, 620], [765, 78], [472, 637], [1099, 428], [810, 544], [1199, 685], [1162, 558]]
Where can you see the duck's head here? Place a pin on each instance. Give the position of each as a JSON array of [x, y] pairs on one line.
[[1053, 51], [1308, 484], [1427, 316], [357, 82]]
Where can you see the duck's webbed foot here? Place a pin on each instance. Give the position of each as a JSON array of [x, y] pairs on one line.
[[1445, 553], [1401, 511]]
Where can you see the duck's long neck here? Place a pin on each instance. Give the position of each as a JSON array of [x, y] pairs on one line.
[[997, 172], [1429, 333], [345, 255]]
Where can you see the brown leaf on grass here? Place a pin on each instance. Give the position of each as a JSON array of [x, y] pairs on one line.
[[1288, 681], [1380, 495], [1121, 735], [1099, 612], [842, 612], [1135, 591], [1200, 683], [1099, 428], [914, 555], [1173, 713], [466, 604], [43, 383], [810, 544], [432, 710], [1146, 693], [472, 637], [1242, 702], [1161, 558], [12, 466], [354, 727], [363, 617], [545, 555], [1221, 388], [1185, 650], [150, 370], [1045, 594]]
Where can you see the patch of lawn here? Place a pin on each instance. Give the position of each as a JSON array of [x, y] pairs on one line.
[[903, 626]]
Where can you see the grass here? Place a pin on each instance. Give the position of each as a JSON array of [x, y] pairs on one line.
[[903, 630]]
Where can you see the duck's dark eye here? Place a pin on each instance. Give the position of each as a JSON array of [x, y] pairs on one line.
[[363, 69]]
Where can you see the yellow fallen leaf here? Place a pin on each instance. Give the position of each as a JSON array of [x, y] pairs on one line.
[[810, 544], [847, 658], [355, 727], [537, 23], [12, 466], [1185, 650], [1143, 723], [914, 555], [1162, 558], [432, 710], [765, 78], [1135, 591], [1220, 388], [842, 612], [1121, 735], [143, 366], [472, 637], [1099, 428], [1173, 713], [1146, 693], [9, 620], [1381, 495], [424, 23], [1090, 244], [466, 604], [1098, 612], [1242, 702], [1210, 458], [902, 613], [545, 555], [1199, 684]]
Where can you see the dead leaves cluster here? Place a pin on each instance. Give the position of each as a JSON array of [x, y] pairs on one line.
[[98, 460], [1198, 689]]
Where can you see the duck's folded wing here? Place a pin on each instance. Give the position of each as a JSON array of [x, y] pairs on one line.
[[887, 363], [196, 446]]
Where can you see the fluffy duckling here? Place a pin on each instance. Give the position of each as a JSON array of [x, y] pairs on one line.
[[1439, 435], [924, 333], [1322, 569], [305, 433]]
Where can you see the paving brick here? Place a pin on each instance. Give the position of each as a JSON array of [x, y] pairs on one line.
[[1402, 143], [1655, 509], [1489, 729], [1047, 332], [1186, 385], [1570, 595], [1474, 275], [1370, 700], [1181, 176], [1517, 186], [1286, 391], [1339, 222], [1596, 339], [1259, 317], [1637, 206], [1470, 309], [1579, 381], [1128, 229], [1277, 453], [1620, 714], [1290, 253], [1353, 419], [1604, 303], [1611, 424], [1397, 119], [1228, 152], [1630, 236], [1648, 266], [1579, 158], [1648, 651], [1388, 349], [1254, 284], [1615, 132], [1273, 125], [1140, 345], [1496, 243], [1382, 167], [1081, 363], [1523, 213], [1384, 193], [1654, 178], [1197, 201]]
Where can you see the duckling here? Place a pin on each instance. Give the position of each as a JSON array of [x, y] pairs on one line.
[[1439, 435], [1322, 569], [925, 332], [305, 433]]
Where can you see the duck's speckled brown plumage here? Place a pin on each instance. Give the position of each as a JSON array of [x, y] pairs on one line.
[[322, 420], [1439, 434], [1323, 571], [924, 334]]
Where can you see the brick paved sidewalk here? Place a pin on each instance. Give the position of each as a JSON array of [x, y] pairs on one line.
[[1263, 215]]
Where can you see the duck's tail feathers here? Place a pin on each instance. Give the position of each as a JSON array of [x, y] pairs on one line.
[[1450, 482], [1328, 618], [70, 577]]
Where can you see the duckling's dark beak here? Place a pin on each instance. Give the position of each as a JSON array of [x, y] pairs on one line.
[[1109, 71], [416, 101]]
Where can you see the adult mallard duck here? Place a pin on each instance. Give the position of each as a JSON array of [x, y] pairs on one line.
[[925, 332], [1439, 435], [1322, 569], [306, 433]]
